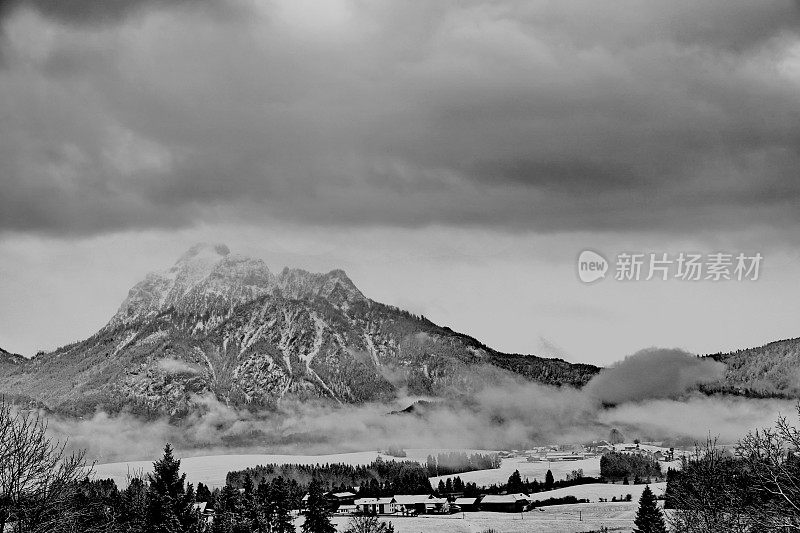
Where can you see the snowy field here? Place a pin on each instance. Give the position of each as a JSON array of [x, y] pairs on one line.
[[537, 470], [212, 469], [594, 491], [555, 519]]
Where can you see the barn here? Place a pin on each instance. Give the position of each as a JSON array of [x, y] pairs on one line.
[[505, 503], [468, 504]]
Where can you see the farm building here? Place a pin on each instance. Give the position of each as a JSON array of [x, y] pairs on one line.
[[412, 503], [333, 500], [346, 509], [437, 505], [421, 504], [375, 505], [340, 498], [505, 503], [468, 504]]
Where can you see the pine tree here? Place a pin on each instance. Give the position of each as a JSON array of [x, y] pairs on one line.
[[281, 513], [515, 482], [318, 519], [649, 518], [228, 515], [132, 514], [264, 506], [549, 481], [203, 493], [250, 512], [169, 501]]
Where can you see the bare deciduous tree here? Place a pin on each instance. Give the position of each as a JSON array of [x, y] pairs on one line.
[[709, 496], [368, 524], [772, 460], [37, 475]]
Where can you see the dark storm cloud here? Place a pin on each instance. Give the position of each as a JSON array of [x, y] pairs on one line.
[[662, 116], [84, 11]]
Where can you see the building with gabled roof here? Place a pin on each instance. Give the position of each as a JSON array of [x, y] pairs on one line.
[[375, 505], [505, 503]]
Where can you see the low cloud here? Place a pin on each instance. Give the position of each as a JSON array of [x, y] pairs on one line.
[[653, 373], [508, 413], [175, 366]]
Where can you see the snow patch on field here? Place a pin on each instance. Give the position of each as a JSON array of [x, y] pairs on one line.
[[555, 519], [212, 469], [594, 491], [531, 471]]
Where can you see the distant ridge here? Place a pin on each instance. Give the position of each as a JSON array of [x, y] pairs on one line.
[[771, 370], [8, 358]]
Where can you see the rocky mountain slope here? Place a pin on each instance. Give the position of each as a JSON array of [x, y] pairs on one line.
[[222, 325], [8, 358], [772, 370]]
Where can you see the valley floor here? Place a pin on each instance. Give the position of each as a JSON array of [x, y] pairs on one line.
[[212, 469], [556, 519]]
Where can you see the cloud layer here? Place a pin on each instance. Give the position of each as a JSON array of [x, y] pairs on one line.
[[653, 373], [513, 115], [509, 413]]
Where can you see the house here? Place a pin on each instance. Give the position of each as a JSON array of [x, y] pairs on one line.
[[346, 510], [437, 506], [562, 456], [468, 504], [375, 505], [412, 503], [333, 500], [505, 503], [336, 499], [205, 512]]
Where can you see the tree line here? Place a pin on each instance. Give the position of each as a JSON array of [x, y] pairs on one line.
[[449, 463], [752, 488], [379, 478], [45, 490], [617, 466]]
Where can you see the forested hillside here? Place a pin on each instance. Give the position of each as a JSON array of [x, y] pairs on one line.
[[769, 370]]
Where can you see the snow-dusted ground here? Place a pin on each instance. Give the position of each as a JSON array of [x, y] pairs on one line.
[[555, 519], [537, 470], [594, 491], [212, 469]]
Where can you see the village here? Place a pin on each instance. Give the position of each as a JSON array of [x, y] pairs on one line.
[[577, 494]]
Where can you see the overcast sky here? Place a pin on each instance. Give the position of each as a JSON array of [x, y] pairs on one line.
[[453, 157]]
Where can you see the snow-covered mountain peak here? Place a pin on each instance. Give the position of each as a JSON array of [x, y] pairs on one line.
[[209, 280]]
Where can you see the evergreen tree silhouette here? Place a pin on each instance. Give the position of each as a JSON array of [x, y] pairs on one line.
[[649, 518], [282, 521], [549, 481], [170, 504], [318, 518]]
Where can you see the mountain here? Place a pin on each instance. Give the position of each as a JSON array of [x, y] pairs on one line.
[[772, 370], [8, 358], [220, 324]]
